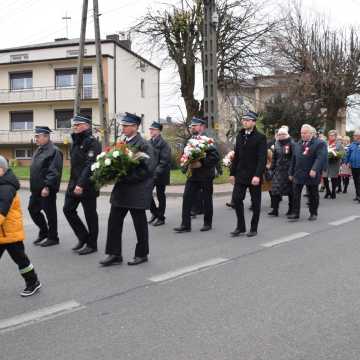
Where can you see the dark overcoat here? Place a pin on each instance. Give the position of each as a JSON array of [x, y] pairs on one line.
[[281, 162], [46, 169], [250, 156], [162, 153], [310, 156], [134, 191]]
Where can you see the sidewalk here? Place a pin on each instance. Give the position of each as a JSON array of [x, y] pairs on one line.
[[171, 190]]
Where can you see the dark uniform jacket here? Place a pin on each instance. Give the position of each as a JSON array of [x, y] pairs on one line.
[[46, 169], [162, 152], [207, 171], [134, 191], [83, 153], [310, 156], [250, 156]]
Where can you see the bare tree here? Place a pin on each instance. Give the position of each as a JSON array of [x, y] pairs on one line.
[[327, 61], [177, 30]]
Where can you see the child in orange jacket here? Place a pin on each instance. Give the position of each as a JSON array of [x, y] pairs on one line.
[[12, 229]]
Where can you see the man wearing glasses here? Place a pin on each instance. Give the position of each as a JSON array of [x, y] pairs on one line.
[[83, 153]]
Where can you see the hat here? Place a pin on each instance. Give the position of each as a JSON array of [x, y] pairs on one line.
[[130, 119], [42, 130], [3, 163], [250, 115], [156, 125], [80, 119], [197, 121]]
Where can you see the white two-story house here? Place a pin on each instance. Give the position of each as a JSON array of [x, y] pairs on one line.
[[37, 87]]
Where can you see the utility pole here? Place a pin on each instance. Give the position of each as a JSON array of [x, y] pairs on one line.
[[66, 18], [79, 78], [211, 20], [100, 76]]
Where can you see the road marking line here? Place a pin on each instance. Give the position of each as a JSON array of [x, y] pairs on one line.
[[188, 269], [344, 220], [39, 315], [285, 239]]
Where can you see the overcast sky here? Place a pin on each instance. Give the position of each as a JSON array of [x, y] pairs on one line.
[[25, 22]]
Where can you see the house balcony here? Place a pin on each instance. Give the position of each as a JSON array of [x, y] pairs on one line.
[[46, 94], [26, 137]]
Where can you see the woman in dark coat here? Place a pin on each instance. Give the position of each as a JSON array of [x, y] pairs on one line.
[[281, 185]]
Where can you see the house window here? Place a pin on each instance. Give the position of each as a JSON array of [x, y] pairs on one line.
[[23, 154], [20, 81], [237, 101], [63, 117], [142, 86], [21, 120], [66, 78]]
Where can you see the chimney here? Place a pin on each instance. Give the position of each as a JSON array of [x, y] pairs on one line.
[[120, 39]]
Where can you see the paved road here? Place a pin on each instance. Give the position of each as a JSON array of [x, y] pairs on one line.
[[290, 293]]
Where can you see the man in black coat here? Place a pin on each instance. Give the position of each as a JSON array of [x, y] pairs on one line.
[[162, 152], [45, 177], [308, 162], [246, 171], [201, 179], [81, 190], [132, 193]]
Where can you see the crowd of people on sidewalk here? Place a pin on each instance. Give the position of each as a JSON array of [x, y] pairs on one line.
[[283, 167]]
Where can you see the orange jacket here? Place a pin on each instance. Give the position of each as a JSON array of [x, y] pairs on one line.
[[11, 218]]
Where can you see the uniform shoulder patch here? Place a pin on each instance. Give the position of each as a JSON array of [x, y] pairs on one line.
[[91, 154]]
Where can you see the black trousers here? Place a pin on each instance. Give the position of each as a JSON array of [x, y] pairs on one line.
[[87, 235], [17, 253], [334, 184], [356, 177], [276, 199], [313, 191], [192, 188], [159, 211], [37, 205], [115, 228], [238, 197]]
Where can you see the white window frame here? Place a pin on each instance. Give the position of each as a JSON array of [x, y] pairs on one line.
[[26, 157]]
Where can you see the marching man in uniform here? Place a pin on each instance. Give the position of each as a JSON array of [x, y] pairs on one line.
[[83, 153], [132, 193], [45, 177]]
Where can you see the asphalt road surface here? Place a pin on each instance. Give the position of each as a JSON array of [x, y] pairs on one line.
[[293, 292]]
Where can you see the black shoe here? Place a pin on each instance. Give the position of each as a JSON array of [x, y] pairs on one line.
[[138, 260], [39, 240], [153, 218], [327, 195], [78, 246], [87, 250], [273, 213], [289, 212], [206, 228], [159, 222], [356, 198], [111, 260], [251, 233], [230, 205], [251, 208], [344, 191], [237, 232], [50, 242], [293, 217], [312, 217], [182, 229], [31, 289]]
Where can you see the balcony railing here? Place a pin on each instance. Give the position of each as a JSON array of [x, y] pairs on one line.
[[61, 136], [46, 94]]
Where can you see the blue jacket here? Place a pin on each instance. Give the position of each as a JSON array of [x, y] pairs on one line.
[[353, 155], [304, 160]]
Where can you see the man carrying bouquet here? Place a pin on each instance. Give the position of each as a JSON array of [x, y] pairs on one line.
[[84, 149], [201, 175], [131, 193]]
